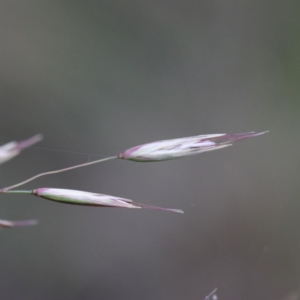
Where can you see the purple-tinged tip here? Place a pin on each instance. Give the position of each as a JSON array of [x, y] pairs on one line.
[[29, 142], [11, 224], [229, 138], [159, 208], [25, 223]]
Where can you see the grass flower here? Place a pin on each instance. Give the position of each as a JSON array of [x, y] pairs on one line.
[[87, 198], [11, 224], [160, 150], [211, 295], [12, 149], [177, 148]]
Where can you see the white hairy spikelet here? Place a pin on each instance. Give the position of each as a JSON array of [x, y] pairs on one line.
[[176, 148]]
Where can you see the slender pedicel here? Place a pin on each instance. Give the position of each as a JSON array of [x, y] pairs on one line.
[[4, 190]]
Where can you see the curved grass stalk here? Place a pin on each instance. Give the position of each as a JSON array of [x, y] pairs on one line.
[[4, 190]]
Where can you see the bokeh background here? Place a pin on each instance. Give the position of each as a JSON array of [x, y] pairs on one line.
[[97, 77]]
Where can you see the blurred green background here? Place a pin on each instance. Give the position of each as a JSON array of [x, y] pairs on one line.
[[97, 77]]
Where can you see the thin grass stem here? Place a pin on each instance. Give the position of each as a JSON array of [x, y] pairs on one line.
[[18, 192], [6, 189]]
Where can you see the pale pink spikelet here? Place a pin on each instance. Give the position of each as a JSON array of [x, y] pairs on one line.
[[12, 149], [11, 224], [29, 142], [91, 199], [177, 148]]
